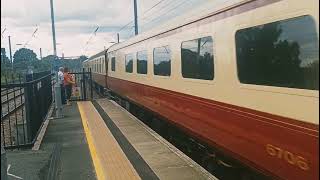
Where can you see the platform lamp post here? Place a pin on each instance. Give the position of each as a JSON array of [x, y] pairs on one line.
[[40, 53], [136, 30], [118, 37], [57, 87], [10, 52]]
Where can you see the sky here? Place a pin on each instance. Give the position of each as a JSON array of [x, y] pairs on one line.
[[76, 20]]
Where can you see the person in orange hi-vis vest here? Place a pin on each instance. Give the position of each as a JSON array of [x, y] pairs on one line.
[[68, 83]]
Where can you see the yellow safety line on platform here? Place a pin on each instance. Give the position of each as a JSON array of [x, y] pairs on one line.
[[93, 152]]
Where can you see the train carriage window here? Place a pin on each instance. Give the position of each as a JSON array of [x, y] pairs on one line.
[[197, 59], [129, 63], [283, 54], [162, 61], [142, 62], [113, 64]]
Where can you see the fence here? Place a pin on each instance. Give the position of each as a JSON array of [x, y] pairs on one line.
[[24, 106], [83, 90], [25, 102]]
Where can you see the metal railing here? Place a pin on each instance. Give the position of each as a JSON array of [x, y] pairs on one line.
[[83, 85], [24, 107]]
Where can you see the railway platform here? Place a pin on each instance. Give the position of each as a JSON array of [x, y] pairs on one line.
[[62, 152], [101, 140], [122, 147]]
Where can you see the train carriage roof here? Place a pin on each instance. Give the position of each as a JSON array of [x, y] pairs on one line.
[[102, 53], [206, 10]]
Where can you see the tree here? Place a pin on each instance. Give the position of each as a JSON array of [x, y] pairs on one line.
[[24, 55], [4, 58], [74, 64], [5, 62], [83, 58], [49, 58]]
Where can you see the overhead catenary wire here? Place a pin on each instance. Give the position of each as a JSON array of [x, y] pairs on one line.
[[3, 32], [165, 5], [166, 13], [94, 33], [125, 26], [143, 15], [32, 36], [129, 26]]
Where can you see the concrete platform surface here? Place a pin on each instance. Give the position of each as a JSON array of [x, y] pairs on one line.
[[109, 160], [27, 164], [163, 159], [74, 161]]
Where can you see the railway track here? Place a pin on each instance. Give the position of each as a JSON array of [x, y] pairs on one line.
[[11, 101], [12, 116], [18, 129]]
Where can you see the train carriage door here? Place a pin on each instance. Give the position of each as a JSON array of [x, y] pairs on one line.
[[106, 60]]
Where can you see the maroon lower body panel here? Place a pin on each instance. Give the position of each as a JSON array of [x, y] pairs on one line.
[[99, 78], [281, 147]]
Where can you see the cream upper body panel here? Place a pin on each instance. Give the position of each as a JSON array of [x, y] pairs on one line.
[[299, 104], [96, 64]]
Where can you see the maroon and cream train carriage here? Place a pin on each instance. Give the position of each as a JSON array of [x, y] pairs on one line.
[[244, 78], [97, 63]]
